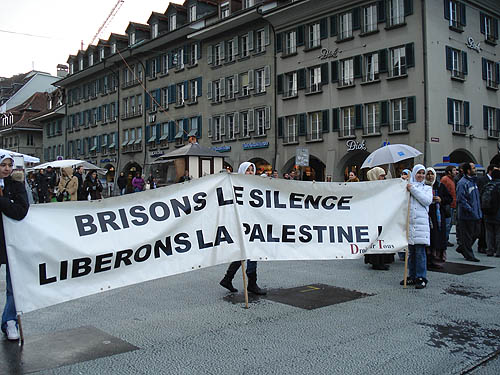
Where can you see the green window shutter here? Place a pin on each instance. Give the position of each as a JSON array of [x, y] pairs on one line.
[[449, 108], [302, 124], [279, 42], [410, 55], [280, 127], [485, 117], [466, 114], [335, 71], [335, 119], [301, 73], [356, 18], [326, 121], [358, 110], [408, 7], [358, 63], [280, 84], [382, 61], [384, 112], [300, 35], [333, 26], [323, 28], [324, 73], [410, 107]]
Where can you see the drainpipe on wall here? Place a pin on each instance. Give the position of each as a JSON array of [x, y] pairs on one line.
[[426, 99]]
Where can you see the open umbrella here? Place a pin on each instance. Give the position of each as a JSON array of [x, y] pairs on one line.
[[71, 163], [27, 158], [390, 154]]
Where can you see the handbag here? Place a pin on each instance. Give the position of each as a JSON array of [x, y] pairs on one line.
[[63, 195]]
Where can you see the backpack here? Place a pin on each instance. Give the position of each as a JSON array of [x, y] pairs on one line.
[[489, 199]]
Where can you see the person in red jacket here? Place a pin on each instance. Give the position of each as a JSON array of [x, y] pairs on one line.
[[448, 180]]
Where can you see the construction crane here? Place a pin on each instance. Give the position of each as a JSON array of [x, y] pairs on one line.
[[108, 20]]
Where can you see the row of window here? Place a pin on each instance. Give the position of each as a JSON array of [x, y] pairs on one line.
[[242, 124], [52, 152], [91, 117], [162, 133], [342, 25], [177, 59], [90, 146], [230, 87], [103, 85], [396, 113], [240, 46], [459, 117], [53, 128], [178, 94], [455, 13], [14, 140]]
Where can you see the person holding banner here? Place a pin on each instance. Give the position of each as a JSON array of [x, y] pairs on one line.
[[378, 261], [251, 271], [419, 229], [13, 204]]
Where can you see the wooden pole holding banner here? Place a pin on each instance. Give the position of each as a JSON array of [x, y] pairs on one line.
[[245, 291], [21, 333], [407, 237]]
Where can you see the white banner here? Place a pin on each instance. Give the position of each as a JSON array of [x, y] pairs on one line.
[[63, 251]]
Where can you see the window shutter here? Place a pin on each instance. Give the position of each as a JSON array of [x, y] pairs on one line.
[[250, 40], [158, 131], [300, 35], [199, 83], [497, 75], [463, 19], [235, 46], [302, 123], [495, 28], [482, 16], [185, 128], [210, 125], [381, 11], [446, 9], [251, 127], [210, 51], [358, 110], [323, 28], [357, 66], [449, 107], [280, 84], [382, 61], [279, 42], [408, 7], [464, 63], [384, 112], [148, 68], [301, 75], [410, 55], [222, 87], [485, 117], [449, 64], [222, 50], [411, 110], [280, 127], [333, 25], [335, 71], [267, 120], [158, 64], [199, 132], [498, 118], [266, 35], [335, 119], [148, 132], [324, 73], [186, 91], [466, 114], [326, 121], [250, 79], [356, 18], [483, 60], [209, 90], [267, 75], [173, 94], [236, 83]]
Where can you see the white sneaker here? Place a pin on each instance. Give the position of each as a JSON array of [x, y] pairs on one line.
[[12, 331]]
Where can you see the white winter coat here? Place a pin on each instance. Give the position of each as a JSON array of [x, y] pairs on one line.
[[420, 200]]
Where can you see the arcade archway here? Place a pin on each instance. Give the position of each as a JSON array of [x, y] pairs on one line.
[[130, 170], [262, 166], [462, 156], [314, 172]]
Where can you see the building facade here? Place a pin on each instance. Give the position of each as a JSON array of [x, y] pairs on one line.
[[311, 85]]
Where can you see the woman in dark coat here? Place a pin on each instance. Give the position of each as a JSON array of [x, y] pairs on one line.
[[92, 186], [13, 204], [436, 252]]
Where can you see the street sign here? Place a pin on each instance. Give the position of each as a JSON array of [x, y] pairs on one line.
[[302, 157]]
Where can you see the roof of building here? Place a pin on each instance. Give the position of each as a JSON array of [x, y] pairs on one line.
[[27, 110]]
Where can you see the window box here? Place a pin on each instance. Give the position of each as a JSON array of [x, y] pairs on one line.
[[394, 26], [368, 33], [314, 89], [393, 78], [344, 39]]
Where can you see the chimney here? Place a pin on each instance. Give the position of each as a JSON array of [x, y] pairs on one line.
[[62, 70]]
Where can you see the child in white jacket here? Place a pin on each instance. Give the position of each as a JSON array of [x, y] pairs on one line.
[[419, 230]]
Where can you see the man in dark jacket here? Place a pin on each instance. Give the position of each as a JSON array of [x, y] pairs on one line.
[[469, 211], [481, 183], [79, 175], [122, 183], [492, 222], [13, 204], [42, 187]]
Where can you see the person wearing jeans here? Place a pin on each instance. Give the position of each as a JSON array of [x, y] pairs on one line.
[[419, 230]]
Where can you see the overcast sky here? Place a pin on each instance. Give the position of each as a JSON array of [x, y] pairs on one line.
[[57, 27]]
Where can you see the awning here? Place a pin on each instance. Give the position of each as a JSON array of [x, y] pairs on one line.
[[93, 148], [104, 144], [131, 142], [193, 133], [125, 143], [163, 137], [112, 145], [179, 134], [138, 141], [152, 139]]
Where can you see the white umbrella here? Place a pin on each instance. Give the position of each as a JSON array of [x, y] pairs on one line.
[[390, 154], [71, 163], [27, 158]]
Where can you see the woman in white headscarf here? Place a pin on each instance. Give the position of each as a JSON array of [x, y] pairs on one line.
[[419, 230], [251, 271], [378, 261], [436, 252]]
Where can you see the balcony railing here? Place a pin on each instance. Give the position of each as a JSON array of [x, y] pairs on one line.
[[397, 71], [493, 133], [371, 77], [491, 84], [290, 93], [346, 81], [458, 128], [347, 131], [314, 135], [314, 88], [399, 126], [371, 129], [455, 73], [290, 138]]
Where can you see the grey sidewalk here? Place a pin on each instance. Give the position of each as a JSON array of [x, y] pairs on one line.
[[186, 324]]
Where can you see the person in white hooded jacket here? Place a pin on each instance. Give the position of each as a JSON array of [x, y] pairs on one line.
[[419, 230]]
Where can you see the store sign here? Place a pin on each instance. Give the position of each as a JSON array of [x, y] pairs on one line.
[[108, 160], [156, 154], [329, 54], [302, 157], [473, 45], [222, 148], [251, 146], [434, 139], [353, 145]]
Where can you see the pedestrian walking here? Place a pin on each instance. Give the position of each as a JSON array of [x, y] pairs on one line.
[[122, 183], [469, 211], [251, 271], [448, 180], [93, 186], [68, 185], [379, 262], [80, 194], [42, 186], [490, 202], [419, 230], [481, 183], [51, 181], [138, 182], [13, 204]]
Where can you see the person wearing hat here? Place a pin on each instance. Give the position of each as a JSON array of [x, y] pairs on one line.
[[13, 204]]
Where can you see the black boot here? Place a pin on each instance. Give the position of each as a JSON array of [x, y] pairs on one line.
[[253, 287], [226, 282]]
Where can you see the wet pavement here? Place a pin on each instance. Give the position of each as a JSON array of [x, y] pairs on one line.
[[319, 317]]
